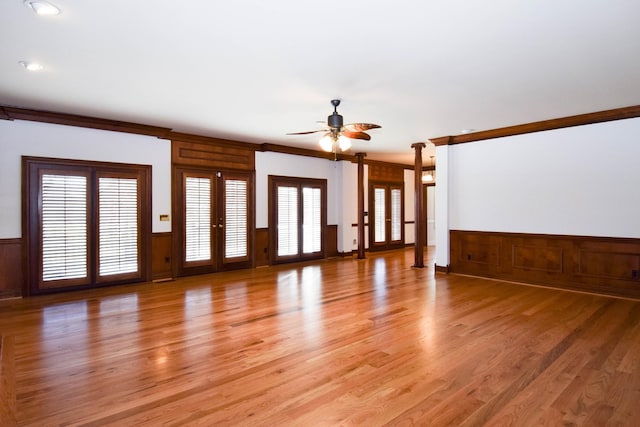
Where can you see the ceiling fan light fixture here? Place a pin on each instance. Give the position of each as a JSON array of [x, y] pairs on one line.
[[42, 8], [326, 143], [344, 143]]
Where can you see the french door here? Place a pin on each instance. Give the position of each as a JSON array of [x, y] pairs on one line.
[[297, 218], [87, 224], [213, 220], [386, 216]]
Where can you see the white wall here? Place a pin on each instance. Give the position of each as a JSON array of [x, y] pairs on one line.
[[23, 138], [582, 180]]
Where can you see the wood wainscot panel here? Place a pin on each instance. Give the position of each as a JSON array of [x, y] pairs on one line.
[[262, 247], [591, 264], [474, 253], [161, 265], [11, 273], [332, 241], [537, 258], [608, 265]]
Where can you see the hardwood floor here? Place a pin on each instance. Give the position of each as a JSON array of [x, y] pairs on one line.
[[341, 342]]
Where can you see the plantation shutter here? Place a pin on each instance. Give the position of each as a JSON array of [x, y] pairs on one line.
[[236, 218], [63, 223], [197, 219], [311, 220], [117, 226], [396, 213], [287, 225], [380, 215]]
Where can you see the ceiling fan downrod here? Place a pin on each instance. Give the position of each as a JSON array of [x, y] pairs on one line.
[[335, 120]]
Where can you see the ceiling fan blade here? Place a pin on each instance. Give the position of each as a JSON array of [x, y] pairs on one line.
[[356, 135], [308, 132], [359, 127]]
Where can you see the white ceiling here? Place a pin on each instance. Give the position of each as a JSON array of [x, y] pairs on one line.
[[254, 70]]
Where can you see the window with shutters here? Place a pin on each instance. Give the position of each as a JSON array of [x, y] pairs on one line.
[[92, 225], [396, 214], [380, 215], [236, 223], [197, 219], [297, 218]]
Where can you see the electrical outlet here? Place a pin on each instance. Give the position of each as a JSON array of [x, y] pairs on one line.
[[355, 241]]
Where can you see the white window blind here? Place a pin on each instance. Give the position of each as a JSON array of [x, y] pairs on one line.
[[380, 215], [287, 220], [118, 226], [396, 210], [64, 227], [235, 218], [197, 219], [311, 220]]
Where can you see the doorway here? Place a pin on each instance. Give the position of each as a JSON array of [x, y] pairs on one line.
[[386, 216], [212, 219]]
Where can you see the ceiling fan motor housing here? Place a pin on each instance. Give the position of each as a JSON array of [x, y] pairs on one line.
[[335, 121]]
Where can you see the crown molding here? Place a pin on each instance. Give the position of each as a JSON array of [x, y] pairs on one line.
[[563, 122]]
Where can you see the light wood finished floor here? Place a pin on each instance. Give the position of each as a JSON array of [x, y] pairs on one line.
[[341, 342]]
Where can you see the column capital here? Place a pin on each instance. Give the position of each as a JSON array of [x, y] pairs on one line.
[[418, 145]]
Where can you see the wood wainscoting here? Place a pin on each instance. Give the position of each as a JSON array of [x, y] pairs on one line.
[[161, 265], [11, 275], [604, 265]]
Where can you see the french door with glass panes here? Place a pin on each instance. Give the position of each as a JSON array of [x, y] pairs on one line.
[[386, 216], [297, 218], [213, 220], [87, 223]]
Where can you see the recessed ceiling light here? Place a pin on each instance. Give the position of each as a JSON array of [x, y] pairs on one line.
[[41, 7], [31, 66], [467, 130]]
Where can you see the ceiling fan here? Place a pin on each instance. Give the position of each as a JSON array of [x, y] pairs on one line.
[[338, 134]]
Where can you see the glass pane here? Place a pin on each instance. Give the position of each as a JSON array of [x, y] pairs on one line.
[[380, 215], [64, 227], [311, 220], [287, 220], [118, 225], [396, 213], [235, 218], [197, 219]]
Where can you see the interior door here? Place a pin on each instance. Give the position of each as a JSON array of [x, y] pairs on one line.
[[386, 216], [212, 220]]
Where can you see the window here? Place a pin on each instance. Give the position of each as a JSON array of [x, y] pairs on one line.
[[197, 219], [236, 223], [92, 225], [297, 218]]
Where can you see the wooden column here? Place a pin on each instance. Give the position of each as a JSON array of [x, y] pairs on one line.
[[419, 249], [361, 157]]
